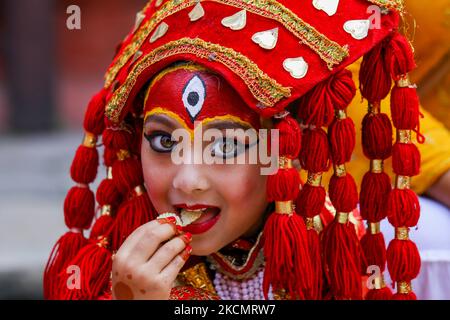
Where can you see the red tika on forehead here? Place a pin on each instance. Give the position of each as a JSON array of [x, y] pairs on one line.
[[194, 94], [271, 52]]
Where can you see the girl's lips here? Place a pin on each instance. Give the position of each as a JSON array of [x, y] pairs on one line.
[[207, 220]]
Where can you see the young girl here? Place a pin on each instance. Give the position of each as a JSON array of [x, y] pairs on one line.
[[212, 226]]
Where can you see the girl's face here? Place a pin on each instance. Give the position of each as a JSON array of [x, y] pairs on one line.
[[229, 198]]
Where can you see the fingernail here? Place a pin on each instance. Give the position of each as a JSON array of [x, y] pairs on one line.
[[179, 229], [186, 253], [171, 219], [187, 238]]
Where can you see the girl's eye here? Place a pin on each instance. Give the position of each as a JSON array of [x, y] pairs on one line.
[[227, 148], [160, 142]]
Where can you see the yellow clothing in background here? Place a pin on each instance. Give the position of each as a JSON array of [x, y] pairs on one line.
[[435, 151]]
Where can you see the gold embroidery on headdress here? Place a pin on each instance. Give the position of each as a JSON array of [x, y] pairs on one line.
[[265, 89], [331, 52]]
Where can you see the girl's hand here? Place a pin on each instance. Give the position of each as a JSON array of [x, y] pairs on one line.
[[148, 262]]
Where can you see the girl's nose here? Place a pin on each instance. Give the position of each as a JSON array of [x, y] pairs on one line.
[[191, 179]]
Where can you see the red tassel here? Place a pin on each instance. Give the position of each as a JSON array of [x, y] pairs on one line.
[[84, 165], [374, 195], [316, 264], [399, 56], [374, 249], [404, 296], [107, 193], [63, 251], [287, 260], [342, 134], [341, 89], [310, 200], [95, 264], [377, 136], [94, 119], [343, 259], [403, 208], [375, 80], [405, 108], [118, 138], [284, 185], [315, 107], [131, 215], [101, 227], [379, 294], [403, 260], [315, 152], [289, 137], [343, 193], [79, 208], [406, 159], [127, 174]]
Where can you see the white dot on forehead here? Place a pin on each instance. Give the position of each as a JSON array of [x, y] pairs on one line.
[[194, 95]]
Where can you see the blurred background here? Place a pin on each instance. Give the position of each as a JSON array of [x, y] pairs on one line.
[[48, 74]]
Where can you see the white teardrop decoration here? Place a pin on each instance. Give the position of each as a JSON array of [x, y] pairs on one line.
[[139, 18], [266, 39], [329, 6], [194, 96], [358, 29], [158, 3], [237, 21], [297, 67], [160, 31], [197, 13]]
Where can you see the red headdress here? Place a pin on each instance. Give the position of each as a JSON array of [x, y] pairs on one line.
[[275, 54]]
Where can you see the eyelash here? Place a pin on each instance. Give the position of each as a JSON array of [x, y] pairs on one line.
[[160, 134], [151, 139]]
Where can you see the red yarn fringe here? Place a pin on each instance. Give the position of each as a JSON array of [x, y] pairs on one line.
[[288, 265]]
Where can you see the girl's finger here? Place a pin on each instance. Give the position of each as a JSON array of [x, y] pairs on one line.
[[167, 252], [145, 240]]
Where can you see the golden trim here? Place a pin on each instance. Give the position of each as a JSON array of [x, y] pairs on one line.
[[138, 191], [102, 242], [402, 233], [379, 282], [404, 82], [331, 52], [376, 165], [106, 210], [339, 170], [318, 224], [284, 207], [123, 154], [402, 182], [342, 217], [341, 114], [89, 140], [265, 89], [374, 108], [373, 227], [404, 287], [259, 260], [314, 179], [109, 173], [397, 5], [404, 136], [284, 163], [197, 276], [309, 222]]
